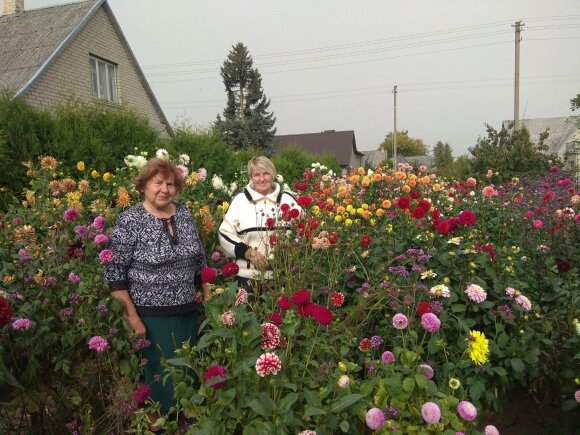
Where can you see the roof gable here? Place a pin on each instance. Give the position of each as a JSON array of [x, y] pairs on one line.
[[560, 130], [32, 39], [340, 143]]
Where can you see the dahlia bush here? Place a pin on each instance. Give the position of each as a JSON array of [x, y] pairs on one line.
[[399, 302]]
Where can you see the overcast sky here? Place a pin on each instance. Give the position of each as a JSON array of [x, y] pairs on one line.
[[332, 64]]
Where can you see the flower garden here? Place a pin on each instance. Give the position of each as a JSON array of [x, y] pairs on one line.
[[401, 303]]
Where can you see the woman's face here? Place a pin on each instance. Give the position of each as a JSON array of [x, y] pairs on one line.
[[262, 181], [160, 191]]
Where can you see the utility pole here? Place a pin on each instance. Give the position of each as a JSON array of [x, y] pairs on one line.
[[518, 26], [395, 128]]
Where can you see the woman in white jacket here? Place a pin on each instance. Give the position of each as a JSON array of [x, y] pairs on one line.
[[252, 217]]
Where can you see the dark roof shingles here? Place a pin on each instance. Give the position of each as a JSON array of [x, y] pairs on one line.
[[340, 143], [28, 39]]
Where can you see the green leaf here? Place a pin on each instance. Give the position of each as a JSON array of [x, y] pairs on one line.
[[458, 308], [421, 381], [517, 364], [476, 391], [409, 385], [311, 411], [345, 402], [287, 401], [263, 405]]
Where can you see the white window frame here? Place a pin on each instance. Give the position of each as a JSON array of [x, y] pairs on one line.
[[103, 79]]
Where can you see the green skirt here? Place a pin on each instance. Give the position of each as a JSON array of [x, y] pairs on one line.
[[166, 334]]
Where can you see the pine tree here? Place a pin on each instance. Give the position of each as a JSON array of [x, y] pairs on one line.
[[246, 122]]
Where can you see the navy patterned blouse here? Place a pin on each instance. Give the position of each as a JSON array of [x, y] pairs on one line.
[[157, 266]]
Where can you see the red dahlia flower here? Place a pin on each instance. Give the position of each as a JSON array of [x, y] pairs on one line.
[[365, 241], [467, 218], [208, 275], [6, 312], [304, 201], [423, 308], [418, 213], [275, 318], [403, 203], [230, 269], [301, 297], [322, 315], [284, 302], [337, 299]]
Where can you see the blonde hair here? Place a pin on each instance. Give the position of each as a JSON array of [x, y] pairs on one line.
[[263, 163]]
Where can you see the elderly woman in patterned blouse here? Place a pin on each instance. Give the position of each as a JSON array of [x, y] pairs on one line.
[[155, 270]]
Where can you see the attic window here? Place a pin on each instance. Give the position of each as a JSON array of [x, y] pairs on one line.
[[104, 79]]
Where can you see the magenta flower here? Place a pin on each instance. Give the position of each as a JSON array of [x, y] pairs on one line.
[[216, 371], [400, 321], [70, 215], [82, 231], [577, 396], [538, 223], [141, 393], [99, 223], [375, 418], [101, 239], [268, 364], [431, 412], [106, 256], [467, 410], [475, 293], [430, 322], [216, 256], [98, 344], [72, 277], [388, 357], [21, 324]]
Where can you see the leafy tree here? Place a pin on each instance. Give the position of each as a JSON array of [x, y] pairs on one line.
[[511, 153], [246, 122], [406, 145], [460, 168], [442, 154], [291, 162], [575, 102]]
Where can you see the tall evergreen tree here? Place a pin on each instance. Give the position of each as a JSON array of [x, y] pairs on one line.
[[442, 154], [246, 122]]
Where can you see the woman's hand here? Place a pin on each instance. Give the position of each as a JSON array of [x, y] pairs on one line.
[[206, 293], [136, 324], [258, 259]]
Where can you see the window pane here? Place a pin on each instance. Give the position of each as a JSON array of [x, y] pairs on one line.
[[102, 80], [94, 77], [112, 78]]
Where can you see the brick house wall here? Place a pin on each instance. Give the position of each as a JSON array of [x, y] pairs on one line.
[[70, 73]]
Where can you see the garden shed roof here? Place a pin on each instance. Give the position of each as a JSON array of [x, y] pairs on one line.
[[340, 143]]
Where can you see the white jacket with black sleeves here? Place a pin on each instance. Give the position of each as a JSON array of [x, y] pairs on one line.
[[249, 222]]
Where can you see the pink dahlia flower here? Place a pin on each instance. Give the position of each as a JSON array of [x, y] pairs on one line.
[[475, 293], [467, 410], [241, 297], [228, 318], [388, 357], [268, 364], [431, 412], [21, 324], [98, 344], [400, 321], [427, 371], [430, 322], [490, 430], [375, 418]]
